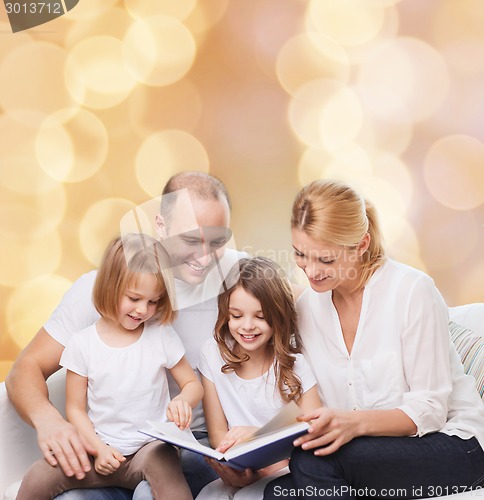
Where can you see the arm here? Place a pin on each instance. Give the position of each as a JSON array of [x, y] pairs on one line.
[[28, 392], [309, 400], [214, 415], [330, 429], [191, 392], [108, 459]]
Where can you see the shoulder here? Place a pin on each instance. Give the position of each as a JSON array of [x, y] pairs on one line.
[[210, 349], [402, 276]]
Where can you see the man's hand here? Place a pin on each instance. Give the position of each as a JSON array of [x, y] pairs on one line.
[[233, 477], [61, 445], [108, 460]]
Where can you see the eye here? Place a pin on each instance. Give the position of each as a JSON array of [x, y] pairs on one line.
[[298, 254], [153, 302], [325, 261], [260, 317], [235, 316], [218, 243], [132, 299]]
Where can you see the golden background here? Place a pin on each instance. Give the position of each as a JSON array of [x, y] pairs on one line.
[[100, 106]]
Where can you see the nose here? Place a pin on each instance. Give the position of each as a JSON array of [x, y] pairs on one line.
[[141, 307], [311, 271], [204, 258], [248, 324]]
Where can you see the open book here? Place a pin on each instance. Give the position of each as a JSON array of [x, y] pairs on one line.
[[270, 444]]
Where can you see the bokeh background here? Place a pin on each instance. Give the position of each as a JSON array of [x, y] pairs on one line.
[[99, 107]]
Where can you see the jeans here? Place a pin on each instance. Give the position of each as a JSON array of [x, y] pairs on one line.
[[196, 470], [197, 473], [96, 494], [385, 467]]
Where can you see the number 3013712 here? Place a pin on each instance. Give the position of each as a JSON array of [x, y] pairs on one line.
[[34, 8]]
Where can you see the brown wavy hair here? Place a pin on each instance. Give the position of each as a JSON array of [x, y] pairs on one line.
[[124, 259], [266, 281], [332, 212]]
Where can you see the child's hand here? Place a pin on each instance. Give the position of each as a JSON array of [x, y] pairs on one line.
[[180, 412], [235, 435], [108, 460]]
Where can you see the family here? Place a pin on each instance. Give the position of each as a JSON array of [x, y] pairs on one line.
[[181, 327]]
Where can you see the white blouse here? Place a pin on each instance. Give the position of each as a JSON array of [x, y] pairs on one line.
[[402, 356]]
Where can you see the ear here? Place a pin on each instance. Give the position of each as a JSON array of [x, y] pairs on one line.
[[364, 244], [160, 226]]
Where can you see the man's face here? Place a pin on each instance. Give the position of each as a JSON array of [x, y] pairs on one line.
[[193, 250]]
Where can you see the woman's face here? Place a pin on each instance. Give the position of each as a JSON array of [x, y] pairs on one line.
[[326, 266]]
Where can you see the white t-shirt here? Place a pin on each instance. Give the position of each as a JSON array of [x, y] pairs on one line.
[[248, 402], [402, 356], [194, 324], [126, 385]]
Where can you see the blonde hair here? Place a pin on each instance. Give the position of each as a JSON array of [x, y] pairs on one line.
[[264, 280], [334, 213], [124, 259]]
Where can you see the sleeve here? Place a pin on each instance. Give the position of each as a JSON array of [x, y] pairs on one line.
[[75, 311], [172, 346], [74, 357], [425, 354], [304, 372], [205, 361]]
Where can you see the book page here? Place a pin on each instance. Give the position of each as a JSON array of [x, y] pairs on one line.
[[287, 416]]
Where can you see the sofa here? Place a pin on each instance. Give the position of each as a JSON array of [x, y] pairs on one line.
[[18, 443]]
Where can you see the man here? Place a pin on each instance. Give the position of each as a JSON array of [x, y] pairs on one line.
[[193, 226]]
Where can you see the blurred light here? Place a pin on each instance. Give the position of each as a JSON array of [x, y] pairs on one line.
[[26, 79], [10, 43], [141, 9], [457, 32], [113, 22], [387, 124], [454, 172], [31, 304], [441, 249], [26, 257], [100, 224], [87, 10], [71, 148], [405, 247], [341, 119], [206, 15], [470, 283], [311, 56], [412, 70], [346, 22], [159, 50], [176, 106], [95, 73], [350, 164], [306, 109], [165, 153], [19, 170]]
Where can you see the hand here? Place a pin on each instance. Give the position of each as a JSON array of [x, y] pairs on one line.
[[61, 445], [235, 435], [329, 429], [233, 477], [108, 460], [180, 412]]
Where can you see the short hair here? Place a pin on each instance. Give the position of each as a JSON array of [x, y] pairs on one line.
[[331, 212], [204, 186], [124, 259], [267, 282]]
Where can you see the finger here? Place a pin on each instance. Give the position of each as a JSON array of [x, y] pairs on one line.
[[310, 415], [81, 449], [48, 454], [320, 441], [68, 461]]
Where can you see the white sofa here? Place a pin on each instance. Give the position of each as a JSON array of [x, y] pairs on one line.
[[18, 443]]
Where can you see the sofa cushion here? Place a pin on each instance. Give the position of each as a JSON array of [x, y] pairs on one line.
[[470, 347]]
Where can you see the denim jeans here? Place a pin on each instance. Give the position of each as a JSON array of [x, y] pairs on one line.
[[197, 473], [385, 467], [196, 470], [96, 494]]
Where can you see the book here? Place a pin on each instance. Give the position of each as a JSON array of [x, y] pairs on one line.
[[268, 445]]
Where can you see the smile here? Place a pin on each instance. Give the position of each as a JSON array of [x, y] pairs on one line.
[[249, 337], [134, 318], [196, 268]]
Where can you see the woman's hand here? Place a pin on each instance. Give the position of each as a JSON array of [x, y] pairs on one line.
[[235, 435], [329, 430], [180, 412], [233, 477], [108, 460]]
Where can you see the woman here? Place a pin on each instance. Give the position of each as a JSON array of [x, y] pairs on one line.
[[400, 418]]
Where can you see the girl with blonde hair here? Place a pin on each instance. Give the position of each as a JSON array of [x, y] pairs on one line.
[[116, 380]]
